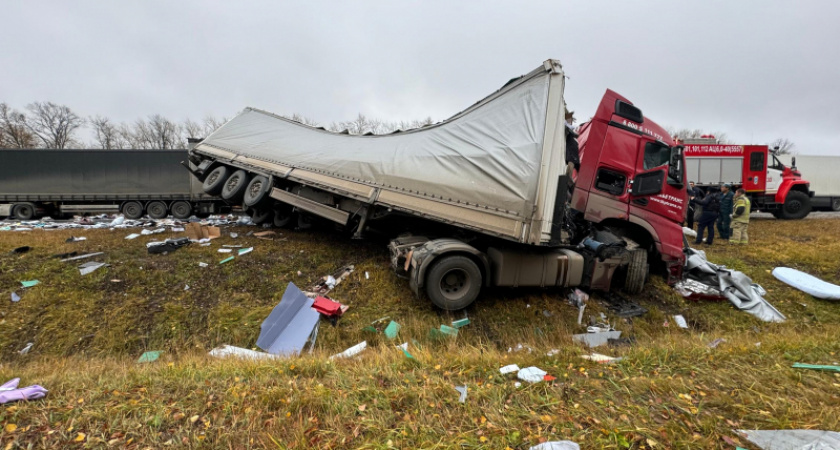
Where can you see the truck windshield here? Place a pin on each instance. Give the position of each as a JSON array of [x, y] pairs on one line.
[[656, 155]]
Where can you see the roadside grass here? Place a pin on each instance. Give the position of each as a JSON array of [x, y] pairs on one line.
[[670, 391]]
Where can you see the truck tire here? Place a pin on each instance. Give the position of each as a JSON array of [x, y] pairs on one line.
[[637, 272], [24, 211], [257, 191], [835, 204], [157, 210], [215, 180], [181, 210], [797, 206], [261, 215], [132, 210], [283, 216], [453, 282], [235, 186]]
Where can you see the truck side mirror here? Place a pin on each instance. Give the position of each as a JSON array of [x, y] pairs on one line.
[[648, 183], [793, 162], [676, 169]]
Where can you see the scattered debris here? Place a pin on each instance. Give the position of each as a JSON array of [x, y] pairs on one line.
[[177, 229], [442, 332], [680, 320], [169, 245], [352, 351], [239, 352], [556, 445], [187, 287], [149, 356], [290, 325], [234, 235], [578, 298], [266, 235], [85, 256], [90, 266], [599, 358], [816, 367], [203, 264], [793, 439], [553, 352], [245, 251], [460, 323], [716, 342], [9, 392], [26, 349], [227, 260], [509, 369], [118, 221], [329, 282], [596, 339], [463, 391], [622, 306], [147, 232], [519, 348], [22, 250], [224, 250], [531, 374], [75, 239], [404, 348], [807, 283], [132, 236], [367, 276], [15, 297], [232, 246], [392, 330], [30, 283], [328, 307], [196, 231], [689, 232]]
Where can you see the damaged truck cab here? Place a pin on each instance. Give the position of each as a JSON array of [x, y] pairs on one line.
[[484, 198]]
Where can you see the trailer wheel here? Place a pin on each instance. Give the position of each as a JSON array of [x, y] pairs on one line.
[[797, 205], [215, 180], [24, 211], [181, 210], [257, 191], [132, 210], [283, 215], [637, 271], [157, 210], [235, 186], [835, 204], [261, 215], [453, 282]]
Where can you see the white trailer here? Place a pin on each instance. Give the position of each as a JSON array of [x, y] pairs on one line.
[[821, 171]]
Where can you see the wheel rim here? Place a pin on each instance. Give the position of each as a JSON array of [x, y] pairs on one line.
[[181, 209], [256, 188], [24, 212], [454, 283], [793, 206], [132, 210], [212, 178], [232, 182], [156, 209]]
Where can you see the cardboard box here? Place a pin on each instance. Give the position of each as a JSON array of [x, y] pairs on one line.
[[196, 231]]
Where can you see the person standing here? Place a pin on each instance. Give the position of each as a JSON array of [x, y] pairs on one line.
[[692, 204], [711, 209], [725, 216], [740, 218]]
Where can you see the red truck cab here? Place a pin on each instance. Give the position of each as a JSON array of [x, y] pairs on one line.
[[632, 181]]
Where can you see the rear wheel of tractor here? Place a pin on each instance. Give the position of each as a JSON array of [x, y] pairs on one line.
[[797, 205], [215, 180], [453, 282], [132, 210], [835, 204], [235, 186], [261, 215], [181, 210], [283, 215], [157, 210], [637, 271], [257, 191], [24, 211]]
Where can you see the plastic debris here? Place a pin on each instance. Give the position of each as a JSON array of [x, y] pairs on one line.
[[187, 287], [552, 352], [132, 236], [232, 246], [227, 260], [10, 392], [329, 282], [234, 235], [599, 358], [75, 239], [290, 324], [460, 323], [203, 264], [169, 245], [716, 342], [352, 351], [689, 232], [531, 374], [816, 367], [328, 307], [118, 221], [245, 251], [177, 229], [517, 384], [793, 439], [392, 330], [556, 445], [367, 276], [680, 320], [267, 235], [224, 250], [85, 256], [519, 348], [239, 352], [596, 339], [147, 232], [807, 283], [149, 356], [463, 391], [30, 283], [90, 266], [15, 297], [404, 348], [509, 369], [26, 349]]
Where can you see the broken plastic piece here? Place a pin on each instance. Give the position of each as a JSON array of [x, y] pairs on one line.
[[187, 287], [290, 323], [245, 251], [9, 392], [15, 297], [352, 351], [327, 307], [460, 323], [463, 391], [30, 283], [85, 256], [226, 260], [203, 264], [680, 320], [531, 374], [239, 352], [26, 349], [449, 331], [149, 356], [716, 342], [599, 358], [224, 250], [807, 283], [509, 369], [367, 276], [392, 330], [169, 245], [816, 367], [596, 339], [234, 235], [147, 232], [331, 282], [90, 266], [132, 236], [75, 239]]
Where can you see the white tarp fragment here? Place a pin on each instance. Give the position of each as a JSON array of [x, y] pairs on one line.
[[487, 155], [794, 439], [596, 339], [557, 445], [735, 286], [239, 352], [509, 369], [89, 267], [352, 351], [806, 283], [532, 374]]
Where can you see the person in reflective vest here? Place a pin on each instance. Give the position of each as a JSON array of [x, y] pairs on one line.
[[740, 218]]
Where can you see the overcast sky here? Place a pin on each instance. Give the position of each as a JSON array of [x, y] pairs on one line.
[[756, 70]]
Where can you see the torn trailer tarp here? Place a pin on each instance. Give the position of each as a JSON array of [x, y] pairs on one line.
[[794, 439], [290, 324], [489, 155], [705, 279]]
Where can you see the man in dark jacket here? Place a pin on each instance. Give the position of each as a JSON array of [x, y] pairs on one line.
[[711, 210], [725, 217]]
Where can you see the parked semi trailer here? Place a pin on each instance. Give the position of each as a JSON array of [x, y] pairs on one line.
[[487, 196], [61, 183], [825, 183]]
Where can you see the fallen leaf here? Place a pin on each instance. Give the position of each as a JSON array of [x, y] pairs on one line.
[[194, 418], [178, 416], [10, 428], [362, 408], [80, 437]]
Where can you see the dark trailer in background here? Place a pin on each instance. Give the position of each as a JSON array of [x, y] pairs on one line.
[[61, 183]]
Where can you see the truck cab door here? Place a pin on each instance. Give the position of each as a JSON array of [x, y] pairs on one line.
[[655, 191], [756, 174], [774, 175]]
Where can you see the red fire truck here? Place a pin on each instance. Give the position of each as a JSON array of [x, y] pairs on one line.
[[770, 185]]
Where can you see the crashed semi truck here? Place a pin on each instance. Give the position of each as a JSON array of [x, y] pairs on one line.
[[482, 199], [61, 183]]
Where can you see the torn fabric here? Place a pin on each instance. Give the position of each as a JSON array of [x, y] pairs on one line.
[[794, 439]]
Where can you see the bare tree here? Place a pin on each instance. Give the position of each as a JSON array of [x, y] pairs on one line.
[[302, 119], [785, 146], [107, 135], [686, 133], [53, 125], [211, 124], [13, 130]]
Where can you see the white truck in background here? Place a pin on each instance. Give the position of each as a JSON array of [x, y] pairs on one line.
[[821, 171]]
